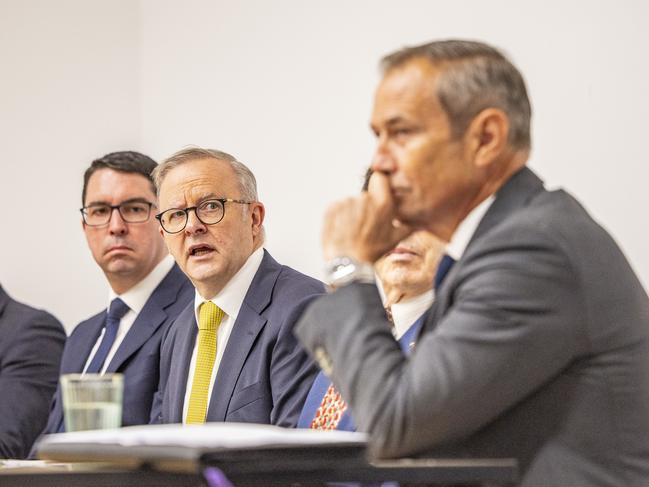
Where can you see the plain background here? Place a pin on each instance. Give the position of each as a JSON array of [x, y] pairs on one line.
[[287, 87]]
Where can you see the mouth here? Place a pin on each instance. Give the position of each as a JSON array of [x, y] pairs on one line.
[[200, 250], [118, 249], [402, 251]]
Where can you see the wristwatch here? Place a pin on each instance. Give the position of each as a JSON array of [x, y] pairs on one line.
[[343, 270]]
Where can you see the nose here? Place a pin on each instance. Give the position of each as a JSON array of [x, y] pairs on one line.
[[383, 160], [194, 225], [116, 224]]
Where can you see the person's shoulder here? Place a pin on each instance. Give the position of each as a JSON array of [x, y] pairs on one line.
[[22, 313], [88, 322], [22, 324], [558, 217], [298, 282]]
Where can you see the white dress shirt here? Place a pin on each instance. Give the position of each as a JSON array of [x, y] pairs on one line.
[[229, 300], [135, 298], [405, 313], [467, 228]]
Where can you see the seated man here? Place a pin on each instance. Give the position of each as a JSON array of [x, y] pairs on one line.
[[231, 354], [406, 276], [31, 343], [537, 344], [146, 293]]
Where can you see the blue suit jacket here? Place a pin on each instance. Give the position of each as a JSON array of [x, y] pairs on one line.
[[137, 356], [264, 375], [31, 342]]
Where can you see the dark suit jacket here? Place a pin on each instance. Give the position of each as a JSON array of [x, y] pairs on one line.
[[537, 347], [264, 375], [137, 356], [31, 342]]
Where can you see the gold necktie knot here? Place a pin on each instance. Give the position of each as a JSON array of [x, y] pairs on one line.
[[209, 316]]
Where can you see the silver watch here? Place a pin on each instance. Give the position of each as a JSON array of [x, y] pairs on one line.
[[345, 270]]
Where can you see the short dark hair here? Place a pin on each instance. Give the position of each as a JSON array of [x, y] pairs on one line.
[[473, 76], [123, 161]]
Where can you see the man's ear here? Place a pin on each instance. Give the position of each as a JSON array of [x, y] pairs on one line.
[[257, 213], [487, 136]]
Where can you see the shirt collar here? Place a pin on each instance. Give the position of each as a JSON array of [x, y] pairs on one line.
[[231, 296], [467, 228], [405, 313], [136, 297]]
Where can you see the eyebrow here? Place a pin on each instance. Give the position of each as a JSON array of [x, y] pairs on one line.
[[202, 199], [130, 200], [390, 122]]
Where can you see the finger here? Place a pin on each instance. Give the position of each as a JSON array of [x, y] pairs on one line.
[[379, 190]]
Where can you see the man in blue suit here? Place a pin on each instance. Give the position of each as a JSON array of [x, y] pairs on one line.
[[231, 354], [31, 342], [147, 290]]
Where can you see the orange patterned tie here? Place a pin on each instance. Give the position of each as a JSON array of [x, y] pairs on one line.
[[330, 411]]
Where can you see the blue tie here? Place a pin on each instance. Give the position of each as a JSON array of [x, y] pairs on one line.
[[445, 264], [116, 311]]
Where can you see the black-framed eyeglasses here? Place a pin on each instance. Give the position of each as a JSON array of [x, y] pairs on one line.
[[209, 212], [99, 214]]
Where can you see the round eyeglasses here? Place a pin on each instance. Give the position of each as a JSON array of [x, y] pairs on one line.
[[97, 215], [210, 212]]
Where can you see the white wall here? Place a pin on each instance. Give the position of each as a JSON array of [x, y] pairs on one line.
[[287, 86], [69, 92]]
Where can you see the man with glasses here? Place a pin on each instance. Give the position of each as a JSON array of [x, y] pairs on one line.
[[231, 354], [146, 289]]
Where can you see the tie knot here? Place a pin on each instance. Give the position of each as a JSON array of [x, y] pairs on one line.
[[209, 316], [117, 309]]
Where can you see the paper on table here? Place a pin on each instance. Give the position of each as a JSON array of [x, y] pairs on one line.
[[209, 435]]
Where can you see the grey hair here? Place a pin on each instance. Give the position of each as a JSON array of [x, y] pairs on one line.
[[473, 76], [247, 181]]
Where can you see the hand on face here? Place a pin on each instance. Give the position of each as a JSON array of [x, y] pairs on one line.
[[363, 227]]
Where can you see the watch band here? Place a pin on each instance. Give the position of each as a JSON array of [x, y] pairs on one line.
[[344, 270]]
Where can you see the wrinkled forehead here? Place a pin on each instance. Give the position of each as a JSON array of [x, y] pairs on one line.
[[199, 178]]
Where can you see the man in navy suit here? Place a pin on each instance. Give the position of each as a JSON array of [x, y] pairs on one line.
[[31, 342], [231, 354], [147, 290]]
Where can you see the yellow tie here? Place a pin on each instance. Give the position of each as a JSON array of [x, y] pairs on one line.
[[209, 318]]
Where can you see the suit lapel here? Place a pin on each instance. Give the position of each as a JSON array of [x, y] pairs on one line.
[[148, 320], [515, 193], [145, 325], [183, 346], [246, 328], [80, 343], [242, 337]]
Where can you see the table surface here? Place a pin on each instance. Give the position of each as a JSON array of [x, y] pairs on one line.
[[440, 472]]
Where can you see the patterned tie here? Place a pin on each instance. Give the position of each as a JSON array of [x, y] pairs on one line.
[[209, 319], [116, 311], [330, 411]]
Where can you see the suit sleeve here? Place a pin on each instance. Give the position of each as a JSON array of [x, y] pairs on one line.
[[513, 322], [29, 370]]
